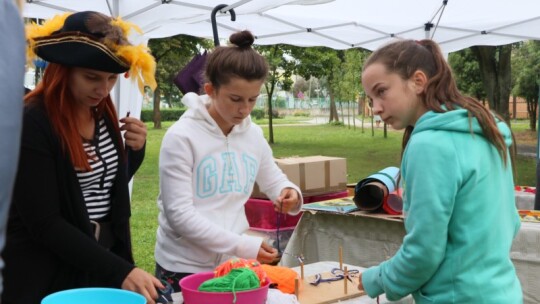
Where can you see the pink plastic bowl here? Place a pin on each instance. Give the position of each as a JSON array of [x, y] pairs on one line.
[[191, 295]]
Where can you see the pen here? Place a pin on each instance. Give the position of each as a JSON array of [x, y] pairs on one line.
[[127, 115]]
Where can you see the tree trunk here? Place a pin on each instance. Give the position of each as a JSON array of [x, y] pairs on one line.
[[514, 106], [157, 113], [333, 109], [532, 105], [496, 75], [270, 92], [270, 128], [342, 113], [169, 101]]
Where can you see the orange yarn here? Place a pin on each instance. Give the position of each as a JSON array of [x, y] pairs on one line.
[[230, 264], [282, 276]]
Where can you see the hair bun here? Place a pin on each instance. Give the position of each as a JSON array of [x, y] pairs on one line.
[[243, 39]]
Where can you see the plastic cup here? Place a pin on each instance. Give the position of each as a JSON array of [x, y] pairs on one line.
[[393, 203]]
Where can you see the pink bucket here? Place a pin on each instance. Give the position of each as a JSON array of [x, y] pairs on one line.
[[191, 295]]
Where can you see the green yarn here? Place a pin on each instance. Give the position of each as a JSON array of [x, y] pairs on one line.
[[238, 279]]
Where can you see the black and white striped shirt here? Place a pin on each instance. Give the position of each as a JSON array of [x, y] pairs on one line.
[[96, 184]]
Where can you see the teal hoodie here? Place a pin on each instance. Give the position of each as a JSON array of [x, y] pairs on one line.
[[460, 218]]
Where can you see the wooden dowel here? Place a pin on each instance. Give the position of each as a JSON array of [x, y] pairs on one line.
[[340, 257], [296, 288], [302, 270], [345, 279]]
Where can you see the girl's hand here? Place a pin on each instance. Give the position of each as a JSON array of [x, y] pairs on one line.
[[287, 200], [143, 283], [135, 134], [267, 254]]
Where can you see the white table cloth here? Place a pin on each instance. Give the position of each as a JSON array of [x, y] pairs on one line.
[[312, 269]]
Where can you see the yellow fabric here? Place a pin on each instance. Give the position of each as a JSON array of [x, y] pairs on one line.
[[34, 30]]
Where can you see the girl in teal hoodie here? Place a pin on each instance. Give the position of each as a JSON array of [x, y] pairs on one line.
[[460, 213]]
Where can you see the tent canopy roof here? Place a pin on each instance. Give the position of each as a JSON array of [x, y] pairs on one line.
[[338, 24]]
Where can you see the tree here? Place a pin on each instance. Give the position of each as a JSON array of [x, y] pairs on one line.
[[171, 55], [351, 67], [495, 64], [337, 70], [467, 73], [324, 64], [350, 89], [526, 64], [281, 67], [300, 85]]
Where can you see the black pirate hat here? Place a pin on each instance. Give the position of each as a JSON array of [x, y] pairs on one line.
[[91, 40]]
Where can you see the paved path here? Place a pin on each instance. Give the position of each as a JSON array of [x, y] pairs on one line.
[[526, 150]]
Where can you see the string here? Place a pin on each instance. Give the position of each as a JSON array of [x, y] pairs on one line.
[[278, 224], [337, 273]]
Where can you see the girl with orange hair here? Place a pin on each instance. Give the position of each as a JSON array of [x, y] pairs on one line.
[[69, 221]]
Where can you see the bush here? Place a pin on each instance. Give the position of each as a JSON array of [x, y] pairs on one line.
[[166, 114], [257, 114], [275, 114], [337, 123], [261, 113], [299, 113]]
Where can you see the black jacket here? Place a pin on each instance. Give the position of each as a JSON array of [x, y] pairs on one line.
[[50, 244]]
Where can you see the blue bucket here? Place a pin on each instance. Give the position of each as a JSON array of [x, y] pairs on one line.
[[94, 296]]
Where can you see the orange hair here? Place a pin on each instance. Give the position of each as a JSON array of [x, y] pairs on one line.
[[60, 106]]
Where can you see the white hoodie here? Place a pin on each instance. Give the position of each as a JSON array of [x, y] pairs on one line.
[[205, 180]]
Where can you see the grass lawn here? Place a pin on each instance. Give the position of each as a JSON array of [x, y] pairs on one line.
[[365, 154], [283, 120]]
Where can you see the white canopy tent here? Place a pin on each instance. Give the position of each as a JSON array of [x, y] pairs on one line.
[[339, 24], [342, 24]]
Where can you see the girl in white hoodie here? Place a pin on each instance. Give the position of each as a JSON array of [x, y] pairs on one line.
[[209, 161]]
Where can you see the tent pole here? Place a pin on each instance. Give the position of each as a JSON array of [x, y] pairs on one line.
[[214, 23], [537, 196], [115, 8], [427, 30], [115, 12]]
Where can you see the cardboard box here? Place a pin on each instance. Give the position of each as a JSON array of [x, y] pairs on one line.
[[315, 175]]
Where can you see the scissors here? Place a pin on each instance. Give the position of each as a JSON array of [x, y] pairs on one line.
[[165, 295]]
